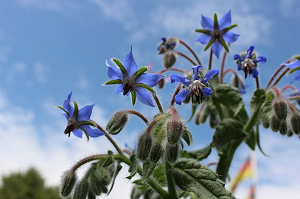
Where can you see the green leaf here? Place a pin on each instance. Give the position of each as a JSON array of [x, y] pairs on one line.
[[194, 177], [201, 153], [227, 131], [159, 175], [120, 65], [258, 143], [227, 95], [251, 140], [133, 167], [187, 136], [118, 169], [113, 81], [148, 168], [240, 113], [146, 87], [133, 97], [257, 100]]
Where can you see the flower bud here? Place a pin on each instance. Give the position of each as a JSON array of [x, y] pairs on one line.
[[144, 146], [91, 195], [169, 59], [95, 184], [295, 123], [283, 128], [174, 129], [161, 83], [275, 123], [265, 120], [156, 151], [81, 189], [117, 122], [290, 133], [67, 183], [280, 108], [172, 152]]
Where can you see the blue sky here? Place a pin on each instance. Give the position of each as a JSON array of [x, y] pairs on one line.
[[51, 47]]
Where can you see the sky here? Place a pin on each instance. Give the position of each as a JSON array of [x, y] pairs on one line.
[[49, 48]]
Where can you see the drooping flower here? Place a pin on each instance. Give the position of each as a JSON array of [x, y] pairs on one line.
[[167, 44], [131, 80], [247, 62], [295, 66], [216, 33], [194, 86], [79, 120]]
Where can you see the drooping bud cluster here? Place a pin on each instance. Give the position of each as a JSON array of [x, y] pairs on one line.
[[167, 44], [67, 183], [117, 122]]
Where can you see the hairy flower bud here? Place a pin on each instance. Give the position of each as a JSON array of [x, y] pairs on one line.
[[280, 108], [169, 59], [172, 152], [117, 122], [283, 128], [81, 189], [265, 120], [174, 129], [91, 195], [161, 83], [295, 123], [144, 146], [156, 151], [290, 133], [275, 123], [67, 183]]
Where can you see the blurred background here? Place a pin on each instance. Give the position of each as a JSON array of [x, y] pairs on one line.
[[49, 48]]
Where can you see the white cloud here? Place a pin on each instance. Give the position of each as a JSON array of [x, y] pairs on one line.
[[56, 5], [15, 71], [289, 8], [41, 72]]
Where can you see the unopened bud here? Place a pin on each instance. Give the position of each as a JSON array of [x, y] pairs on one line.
[[290, 133], [174, 129], [265, 120], [172, 152], [91, 195], [280, 108], [169, 59], [295, 123], [156, 152], [117, 122], [103, 175], [144, 146], [95, 184], [67, 183], [275, 123], [283, 128], [161, 83], [81, 189]]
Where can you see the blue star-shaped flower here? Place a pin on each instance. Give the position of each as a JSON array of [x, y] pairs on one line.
[[79, 120], [216, 33], [294, 65], [248, 62], [130, 79], [194, 86]]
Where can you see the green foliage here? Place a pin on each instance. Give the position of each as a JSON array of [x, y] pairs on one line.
[[29, 185]]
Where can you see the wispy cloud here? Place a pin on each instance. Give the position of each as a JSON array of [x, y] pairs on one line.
[[41, 72], [15, 71], [55, 5]]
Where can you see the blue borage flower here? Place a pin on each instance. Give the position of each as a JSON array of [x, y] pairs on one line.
[[167, 44], [79, 120], [216, 33], [247, 62], [131, 80], [195, 87], [295, 66]]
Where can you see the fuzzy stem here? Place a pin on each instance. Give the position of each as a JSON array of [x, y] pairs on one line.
[[279, 78], [86, 160], [230, 70], [174, 94], [158, 102], [139, 115], [210, 59], [191, 50], [222, 66], [274, 75], [294, 97], [288, 87], [185, 56], [170, 180], [174, 69], [257, 82]]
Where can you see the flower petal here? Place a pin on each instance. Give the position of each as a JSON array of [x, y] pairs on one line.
[[249, 52], [207, 23], [293, 65], [238, 57], [150, 79], [209, 75], [254, 72], [67, 106], [180, 79], [129, 63], [216, 48], [114, 73], [119, 88], [77, 133], [230, 37], [297, 76], [239, 67], [143, 96], [204, 38], [207, 91], [92, 132], [84, 113], [181, 96], [225, 21], [261, 59]]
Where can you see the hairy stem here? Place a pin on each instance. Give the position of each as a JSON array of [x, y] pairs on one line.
[[173, 69], [170, 181], [274, 75], [191, 50], [222, 66], [210, 59], [139, 115], [279, 78], [158, 102], [174, 94], [257, 82], [185, 56]]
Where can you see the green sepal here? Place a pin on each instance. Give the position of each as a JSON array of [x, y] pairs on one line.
[[87, 123], [139, 72], [146, 87], [148, 167], [194, 107], [134, 165], [209, 44], [133, 96], [294, 70], [75, 110], [187, 136], [120, 65], [203, 31], [118, 169], [113, 81], [63, 109], [229, 28], [216, 23], [223, 43], [87, 136], [201, 153], [296, 57]]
